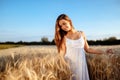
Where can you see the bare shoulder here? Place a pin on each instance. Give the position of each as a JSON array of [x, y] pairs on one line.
[[82, 33]]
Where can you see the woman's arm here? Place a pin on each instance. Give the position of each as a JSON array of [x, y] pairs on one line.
[[91, 50]]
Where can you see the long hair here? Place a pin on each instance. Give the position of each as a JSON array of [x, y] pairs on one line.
[[59, 33]]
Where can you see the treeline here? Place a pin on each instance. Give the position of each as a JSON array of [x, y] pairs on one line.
[[45, 41], [107, 41]]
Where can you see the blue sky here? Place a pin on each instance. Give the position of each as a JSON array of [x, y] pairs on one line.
[[29, 20]]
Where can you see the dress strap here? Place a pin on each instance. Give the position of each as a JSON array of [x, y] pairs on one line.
[[80, 33]]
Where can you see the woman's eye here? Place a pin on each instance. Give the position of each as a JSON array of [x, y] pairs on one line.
[[64, 23]]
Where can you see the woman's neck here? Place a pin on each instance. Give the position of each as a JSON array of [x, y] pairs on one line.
[[72, 31]]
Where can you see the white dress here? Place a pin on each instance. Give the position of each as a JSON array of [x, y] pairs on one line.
[[76, 55]]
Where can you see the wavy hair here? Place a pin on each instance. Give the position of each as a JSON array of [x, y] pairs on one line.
[[59, 33]]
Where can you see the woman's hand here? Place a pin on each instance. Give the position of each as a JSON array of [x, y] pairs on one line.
[[109, 51]]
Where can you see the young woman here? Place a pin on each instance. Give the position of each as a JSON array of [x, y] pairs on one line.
[[72, 44]]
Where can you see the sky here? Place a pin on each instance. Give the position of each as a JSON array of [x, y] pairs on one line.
[[30, 20]]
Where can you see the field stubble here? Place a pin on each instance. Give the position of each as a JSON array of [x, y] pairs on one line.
[[43, 63]]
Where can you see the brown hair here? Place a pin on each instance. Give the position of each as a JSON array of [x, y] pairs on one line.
[[59, 33]]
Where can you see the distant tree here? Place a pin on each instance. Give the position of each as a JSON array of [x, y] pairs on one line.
[[20, 42], [112, 38], [53, 42], [44, 39]]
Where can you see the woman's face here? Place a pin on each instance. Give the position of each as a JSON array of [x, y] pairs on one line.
[[65, 25]]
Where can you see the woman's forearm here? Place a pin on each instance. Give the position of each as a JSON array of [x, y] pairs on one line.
[[95, 51]]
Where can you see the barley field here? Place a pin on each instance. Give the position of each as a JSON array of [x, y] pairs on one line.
[[44, 63]]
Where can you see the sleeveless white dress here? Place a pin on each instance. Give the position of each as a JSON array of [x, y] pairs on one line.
[[75, 54]]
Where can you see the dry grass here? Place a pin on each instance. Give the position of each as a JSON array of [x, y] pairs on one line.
[[6, 46], [104, 67], [34, 67], [42, 63]]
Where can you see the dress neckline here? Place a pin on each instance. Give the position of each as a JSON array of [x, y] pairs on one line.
[[74, 39]]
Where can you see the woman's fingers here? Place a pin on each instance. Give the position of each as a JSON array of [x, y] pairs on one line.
[[110, 51]]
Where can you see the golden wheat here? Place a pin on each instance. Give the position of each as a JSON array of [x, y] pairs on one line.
[[43, 63], [32, 67]]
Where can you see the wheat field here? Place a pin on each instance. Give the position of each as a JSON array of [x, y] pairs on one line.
[[44, 63]]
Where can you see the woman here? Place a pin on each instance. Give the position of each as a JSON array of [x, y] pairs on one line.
[[72, 44]]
